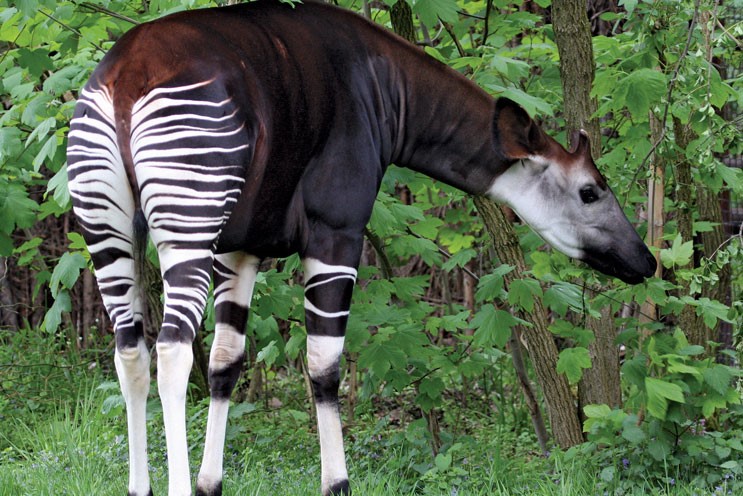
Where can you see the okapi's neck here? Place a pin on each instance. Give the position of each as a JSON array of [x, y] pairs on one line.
[[447, 126]]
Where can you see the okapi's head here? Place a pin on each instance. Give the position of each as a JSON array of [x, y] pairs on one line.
[[564, 198]]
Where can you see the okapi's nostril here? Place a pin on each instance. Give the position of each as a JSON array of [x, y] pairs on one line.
[[652, 263]]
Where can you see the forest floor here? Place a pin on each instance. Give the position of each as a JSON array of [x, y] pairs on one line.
[[63, 432]]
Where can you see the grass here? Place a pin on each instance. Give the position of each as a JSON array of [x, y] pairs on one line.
[[63, 432]]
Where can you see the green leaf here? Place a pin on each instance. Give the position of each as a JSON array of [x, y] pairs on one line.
[[596, 411], [711, 311], [532, 104], [572, 361], [607, 474], [58, 187], [490, 286], [659, 392], [443, 461], [641, 90], [431, 387], [629, 5], [679, 254], [380, 357], [16, 208], [268, 354], [431, 10], [522, 293], [67, 271], [718, 377], [427, 228], [36, 61], [459, 259], [493, 326], [632, 432], [296, 341], [53, 317]]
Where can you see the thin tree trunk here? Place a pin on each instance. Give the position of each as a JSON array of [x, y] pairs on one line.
[[575, 48], [690, 323], [401, 16], [532, 404], [601, 382], [8, 313], [561, 406]]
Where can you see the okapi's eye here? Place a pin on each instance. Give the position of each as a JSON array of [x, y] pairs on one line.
[[588, 195]]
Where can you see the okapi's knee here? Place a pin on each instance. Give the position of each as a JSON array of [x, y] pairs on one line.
[[132, 361], [226, 358], [222, 378], [323, 364]]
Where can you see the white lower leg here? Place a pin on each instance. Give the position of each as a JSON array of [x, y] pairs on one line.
[[210, 474], [174, 362], [225, 357], [332, 457], [133, 369], [323, 355]]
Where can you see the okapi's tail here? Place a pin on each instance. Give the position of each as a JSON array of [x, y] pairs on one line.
[[123, 102]]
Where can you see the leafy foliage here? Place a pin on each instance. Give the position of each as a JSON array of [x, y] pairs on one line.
[[407, 341]]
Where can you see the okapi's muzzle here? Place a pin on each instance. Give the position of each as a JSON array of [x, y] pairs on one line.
[[632, 263]]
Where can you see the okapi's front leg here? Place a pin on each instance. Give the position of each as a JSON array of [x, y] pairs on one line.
[[328, 290], [234, 279]]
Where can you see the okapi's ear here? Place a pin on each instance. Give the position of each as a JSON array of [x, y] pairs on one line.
[[581, 143], [517, 133]]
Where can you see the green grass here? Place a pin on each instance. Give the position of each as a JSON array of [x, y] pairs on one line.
[[63, 432], [76, 449]]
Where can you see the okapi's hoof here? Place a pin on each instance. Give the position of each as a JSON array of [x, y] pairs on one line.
[[340, 488], [215, 490], [149, 493]]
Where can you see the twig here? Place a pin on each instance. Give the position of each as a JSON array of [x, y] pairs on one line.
[[103, 10], [69, 28]]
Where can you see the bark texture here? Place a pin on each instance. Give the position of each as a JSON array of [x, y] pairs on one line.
[[575, 48], [561, 407], [601, 382]]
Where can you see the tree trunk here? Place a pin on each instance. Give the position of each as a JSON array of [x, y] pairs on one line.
[[574, 45], [561, 407], [601, 382], [532, 404], [401, 16], [690, 323], [8, 313]]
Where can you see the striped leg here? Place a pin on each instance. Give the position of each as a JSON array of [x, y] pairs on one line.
[[186, 276], [328, 290], [104, 206], [190, 148], [234, 279]]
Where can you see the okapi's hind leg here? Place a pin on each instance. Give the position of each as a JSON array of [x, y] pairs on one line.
[[104, 205], [328, 290], [234, 279]]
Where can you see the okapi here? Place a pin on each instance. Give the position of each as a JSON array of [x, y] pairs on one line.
[[261, 130]]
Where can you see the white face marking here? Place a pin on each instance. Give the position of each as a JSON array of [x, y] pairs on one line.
[[547, 197], [534, 189]]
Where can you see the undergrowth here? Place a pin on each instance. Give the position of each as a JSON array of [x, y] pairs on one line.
[[64, 432]]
